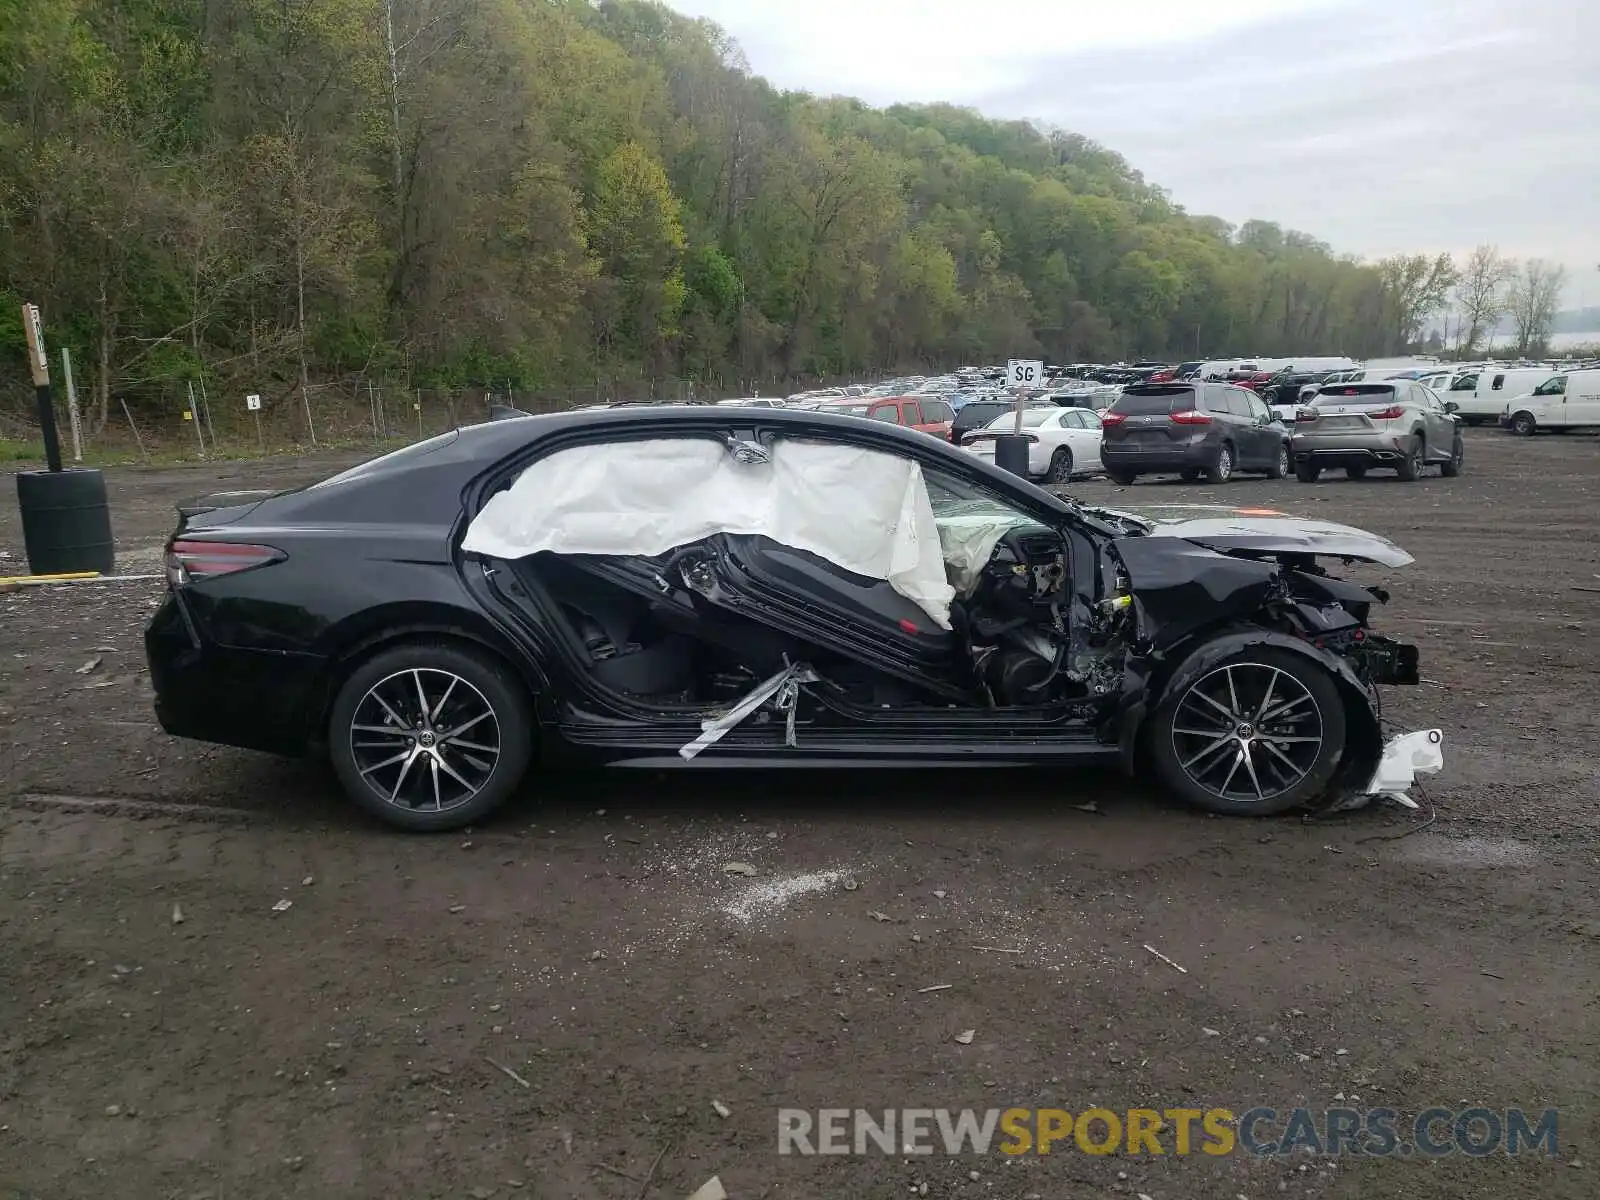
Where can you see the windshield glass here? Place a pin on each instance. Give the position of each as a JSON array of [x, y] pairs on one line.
[[1354, 393], [1032, 418], [393, 458], [1151, 405]]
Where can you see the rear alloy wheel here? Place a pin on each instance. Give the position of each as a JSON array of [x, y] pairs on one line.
[[1221, 470], [1060, 466], [1410, 468], [1307, 471], [1524, 424], [1258, 734], [1280, 465], [429, 736], [1458, 458]]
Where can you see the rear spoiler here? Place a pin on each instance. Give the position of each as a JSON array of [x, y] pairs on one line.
[[205, 504]]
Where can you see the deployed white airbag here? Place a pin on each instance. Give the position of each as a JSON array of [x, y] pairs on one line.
[[862, 510]]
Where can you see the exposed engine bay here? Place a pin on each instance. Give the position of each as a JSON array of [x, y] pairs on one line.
[[1029, 643]]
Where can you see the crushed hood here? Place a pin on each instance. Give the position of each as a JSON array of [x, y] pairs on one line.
[[1267, 536]]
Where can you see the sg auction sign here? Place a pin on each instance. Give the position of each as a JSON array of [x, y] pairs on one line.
[[1179, 1132]]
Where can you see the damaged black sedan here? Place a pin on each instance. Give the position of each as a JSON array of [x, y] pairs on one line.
[[759, 587]]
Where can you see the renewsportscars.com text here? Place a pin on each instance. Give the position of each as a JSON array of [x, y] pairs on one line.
[[1260, 1131]]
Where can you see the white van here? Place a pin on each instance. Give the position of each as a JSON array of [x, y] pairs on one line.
[[1567, 401], [1481, 396]]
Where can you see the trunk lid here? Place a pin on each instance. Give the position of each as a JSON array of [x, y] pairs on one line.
[[219, 508]]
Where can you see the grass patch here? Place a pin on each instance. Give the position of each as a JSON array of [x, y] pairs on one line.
[[11, 451]]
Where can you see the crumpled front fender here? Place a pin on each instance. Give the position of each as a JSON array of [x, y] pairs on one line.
[[1154, 681]]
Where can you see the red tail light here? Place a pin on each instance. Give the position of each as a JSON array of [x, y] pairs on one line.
[[188, 562], [1113, 418], [1191, 417], [1393, 413]]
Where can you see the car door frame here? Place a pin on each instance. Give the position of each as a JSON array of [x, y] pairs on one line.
[[1246, 445], [1438, 422], [1270, 433]]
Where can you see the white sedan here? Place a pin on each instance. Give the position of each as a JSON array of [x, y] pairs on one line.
[[1062, 442]]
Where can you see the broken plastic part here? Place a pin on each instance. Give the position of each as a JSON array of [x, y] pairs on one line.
[[783, 688], [1404, 758], [751, 454]]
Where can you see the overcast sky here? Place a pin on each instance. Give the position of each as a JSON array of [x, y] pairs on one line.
[[1375, 125]]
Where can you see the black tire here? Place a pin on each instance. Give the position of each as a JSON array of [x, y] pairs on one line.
[[1307, 471], [1356, 473], [1524, 424], [1197, 783], [1280, 465], [1060, 466], [1121, 478], [480, 681], [1221, 468], [1410, 468], [1457, 460]]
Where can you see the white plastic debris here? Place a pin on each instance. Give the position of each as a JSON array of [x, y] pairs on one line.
[[966, 1035], [722, 1110], [784, 687], [711, 1189], [283, 906], [738, 868], [1404, 758]]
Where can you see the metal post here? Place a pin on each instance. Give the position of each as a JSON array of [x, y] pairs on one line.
[[419, 414], [261, 440], [199, 436], [205, 404], [138, 441], [72, 405], [33, 329], [372, 403]]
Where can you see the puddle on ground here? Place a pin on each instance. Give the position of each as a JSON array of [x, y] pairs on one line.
[[1469, 852]]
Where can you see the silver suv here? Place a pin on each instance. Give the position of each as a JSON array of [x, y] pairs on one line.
[[1396, 424]]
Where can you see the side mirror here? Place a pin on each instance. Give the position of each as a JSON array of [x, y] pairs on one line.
[[1451, 406]]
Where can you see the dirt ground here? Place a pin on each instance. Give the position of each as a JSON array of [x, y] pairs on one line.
[[551, 1006]]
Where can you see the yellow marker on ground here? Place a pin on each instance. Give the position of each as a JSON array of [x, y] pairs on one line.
[[65, 577]]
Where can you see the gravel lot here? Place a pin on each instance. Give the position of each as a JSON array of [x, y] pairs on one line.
[[375, 1038]]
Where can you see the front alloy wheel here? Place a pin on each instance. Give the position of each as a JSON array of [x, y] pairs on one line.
[[1255, 735], [430, 736], [1061, 466], [1280, 465], [1458, 456]]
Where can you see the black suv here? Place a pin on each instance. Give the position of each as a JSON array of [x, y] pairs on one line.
[[1192, 429]]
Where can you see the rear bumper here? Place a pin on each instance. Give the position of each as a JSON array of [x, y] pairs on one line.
[[257, 700], [1370, 450], [1194, 456]]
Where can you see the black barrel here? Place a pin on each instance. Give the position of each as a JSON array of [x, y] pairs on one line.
[[1011, 453], [66, 522]]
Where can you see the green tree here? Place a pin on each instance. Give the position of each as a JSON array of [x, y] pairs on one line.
[[637, 238]]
